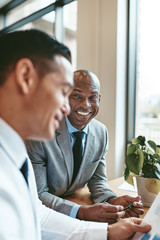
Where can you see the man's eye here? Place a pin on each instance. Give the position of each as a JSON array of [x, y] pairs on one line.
[[94, 97], [76, 96]]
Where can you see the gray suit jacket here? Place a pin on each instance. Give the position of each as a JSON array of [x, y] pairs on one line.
[[53, 166]]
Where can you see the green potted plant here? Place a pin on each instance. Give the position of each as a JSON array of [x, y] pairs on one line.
[[143, 162]]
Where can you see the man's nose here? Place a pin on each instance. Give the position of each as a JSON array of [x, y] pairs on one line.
[[86, 103], [66, 109]]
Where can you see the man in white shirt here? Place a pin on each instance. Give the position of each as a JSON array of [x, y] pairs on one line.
[[35, 82]]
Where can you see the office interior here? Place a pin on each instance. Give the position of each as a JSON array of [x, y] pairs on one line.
[[102, 36]]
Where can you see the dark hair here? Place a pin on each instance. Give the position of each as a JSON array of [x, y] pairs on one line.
[[33, 44]]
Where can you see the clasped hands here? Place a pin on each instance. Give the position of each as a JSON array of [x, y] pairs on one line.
[[112, 210]]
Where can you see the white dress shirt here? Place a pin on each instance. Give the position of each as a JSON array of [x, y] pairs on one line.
[[21, 212], [18, 203]]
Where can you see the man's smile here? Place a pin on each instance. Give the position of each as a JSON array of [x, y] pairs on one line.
[[83, 113]]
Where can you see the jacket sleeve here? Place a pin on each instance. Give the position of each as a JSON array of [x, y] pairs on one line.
[[38, 158], [98, 186]]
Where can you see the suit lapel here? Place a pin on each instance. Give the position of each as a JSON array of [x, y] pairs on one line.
[[63, 140]]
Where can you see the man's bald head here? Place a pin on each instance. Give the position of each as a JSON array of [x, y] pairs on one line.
[[86, 77], [84, 99]]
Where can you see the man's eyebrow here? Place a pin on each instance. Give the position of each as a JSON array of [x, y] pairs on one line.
[[77, 90], [95, 92]]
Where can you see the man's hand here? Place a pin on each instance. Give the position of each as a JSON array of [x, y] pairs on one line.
[[101, 212], [125, 228], [125, 201]]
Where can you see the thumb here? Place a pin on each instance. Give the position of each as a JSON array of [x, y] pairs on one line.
[[144, 227], [141, 226]]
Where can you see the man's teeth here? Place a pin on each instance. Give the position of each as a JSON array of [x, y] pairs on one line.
[[83, 113]]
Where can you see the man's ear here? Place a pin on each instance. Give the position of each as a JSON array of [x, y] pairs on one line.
[[25, 75]]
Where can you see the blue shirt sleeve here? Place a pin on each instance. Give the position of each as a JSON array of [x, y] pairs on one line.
[[74, 210]]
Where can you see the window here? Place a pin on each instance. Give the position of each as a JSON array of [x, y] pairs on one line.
[[70, 29], [54, 17], [145, 61], [25, 9], [45, 23]]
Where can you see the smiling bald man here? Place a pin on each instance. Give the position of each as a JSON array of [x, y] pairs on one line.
[[54, 165]]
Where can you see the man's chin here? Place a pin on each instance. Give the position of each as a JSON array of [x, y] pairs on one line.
[[49, 133], [80, 125], [49, 136], [82, 122], [83, 119]]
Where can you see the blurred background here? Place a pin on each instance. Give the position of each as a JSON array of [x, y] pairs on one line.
[[118, 40]]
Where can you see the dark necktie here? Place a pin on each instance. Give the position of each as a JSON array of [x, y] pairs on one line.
[[77, 152], [24, 170]]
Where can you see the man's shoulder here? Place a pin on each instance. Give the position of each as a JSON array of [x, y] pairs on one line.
[[95, 122], [97, 126]]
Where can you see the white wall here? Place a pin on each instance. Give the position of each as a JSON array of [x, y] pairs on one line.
[[101, 48]]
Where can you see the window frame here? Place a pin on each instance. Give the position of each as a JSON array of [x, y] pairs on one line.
[[132, 69], [132, 62], [57, 6]]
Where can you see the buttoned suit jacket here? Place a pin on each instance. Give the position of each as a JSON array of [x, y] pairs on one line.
[[53, 166]]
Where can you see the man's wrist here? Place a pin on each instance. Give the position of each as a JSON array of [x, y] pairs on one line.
[[111, 200], [108, 232], [81, 213]]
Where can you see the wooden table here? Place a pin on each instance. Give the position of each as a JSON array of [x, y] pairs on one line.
[[83, 196]]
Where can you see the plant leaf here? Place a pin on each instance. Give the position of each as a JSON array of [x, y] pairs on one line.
[[153, 185], [135, 140], [131, 149], [134, 162], [152, 146], [157, 150], [130, 178], [141, 140], [126, 173]]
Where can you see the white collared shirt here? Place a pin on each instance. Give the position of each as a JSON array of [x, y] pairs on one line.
[[21, 210], [18, 213]]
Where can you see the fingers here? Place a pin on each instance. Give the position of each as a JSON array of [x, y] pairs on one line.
[[137, 221], [113, 208], [138, 204], [110, 213], [130, 213], [145, 227], [136, 210], [141, 226], [124, 200], [113, 211], [127, 215], [101, 212], [125, 228], [130, 199], [112, 217], [116, 215]]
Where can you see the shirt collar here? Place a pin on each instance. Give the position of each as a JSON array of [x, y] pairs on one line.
[[12, 144], [72, 129]]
